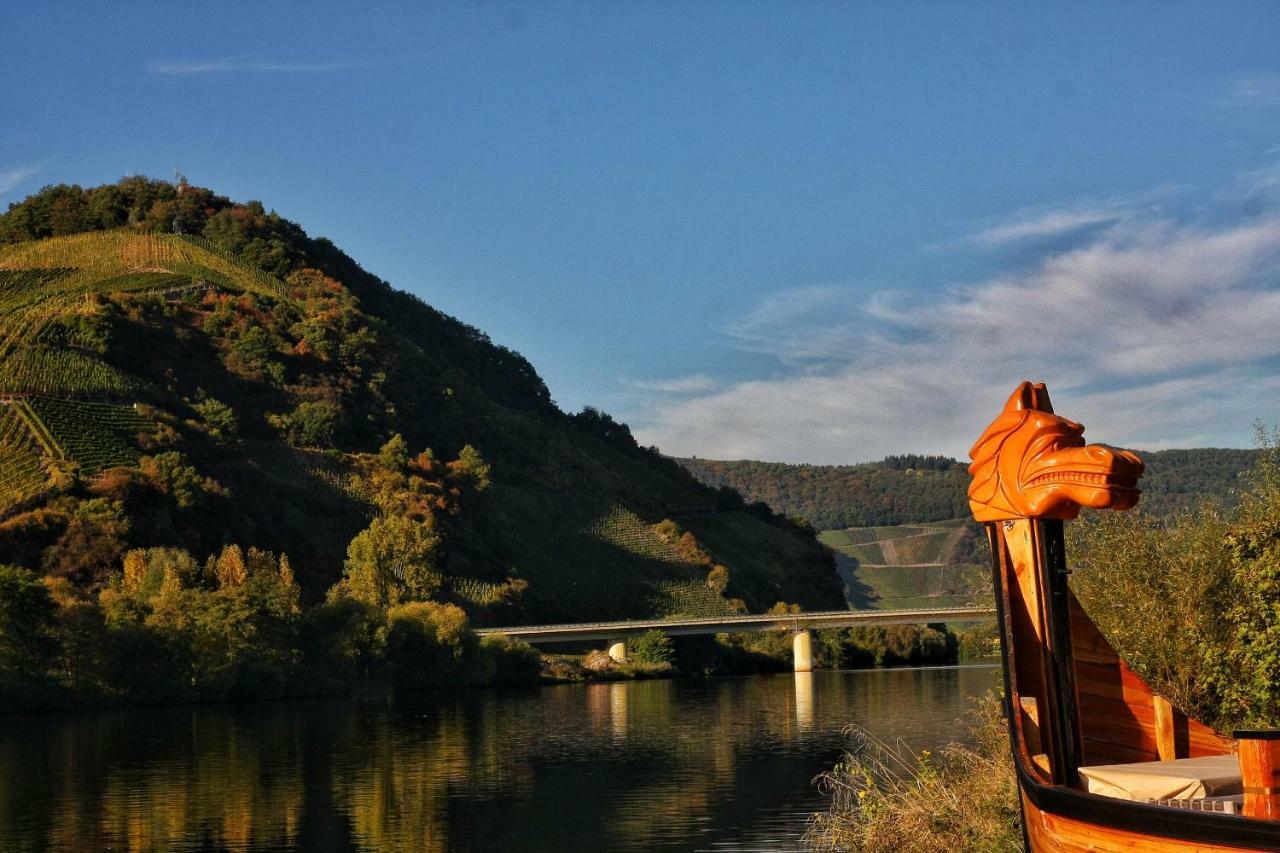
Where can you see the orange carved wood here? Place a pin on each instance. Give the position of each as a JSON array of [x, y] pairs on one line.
[[1031, 463]]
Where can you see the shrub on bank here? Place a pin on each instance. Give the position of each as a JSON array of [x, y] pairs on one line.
[[892, 645], [428, 643], [513, 661], [885, 799], [980, 641], [1189, 601], [652, 647]]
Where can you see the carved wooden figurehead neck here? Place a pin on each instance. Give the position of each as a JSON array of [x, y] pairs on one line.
[[1031, 463]]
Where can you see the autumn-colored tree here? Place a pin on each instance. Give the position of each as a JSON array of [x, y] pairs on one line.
[[229, 567], [394, 455], [145, 570], [471, 465], [683, 541], [718, 579], [421, 487], [241, 637], [394, 559]]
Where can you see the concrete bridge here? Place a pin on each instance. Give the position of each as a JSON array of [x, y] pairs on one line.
[[799, 624]]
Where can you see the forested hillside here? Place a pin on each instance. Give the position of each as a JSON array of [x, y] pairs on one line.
[[908, 489], [837, 496], [181, 373]]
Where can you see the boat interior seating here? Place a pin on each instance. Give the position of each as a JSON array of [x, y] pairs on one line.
[[1179, 779]]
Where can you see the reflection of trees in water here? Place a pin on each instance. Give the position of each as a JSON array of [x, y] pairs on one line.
[[570, 765], [397, 791], [159, 781], [221, 794]]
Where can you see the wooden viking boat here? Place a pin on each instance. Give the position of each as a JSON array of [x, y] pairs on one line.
[[1103, 762]]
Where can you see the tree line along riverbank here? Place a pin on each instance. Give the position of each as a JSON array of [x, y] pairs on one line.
[[169, 629]]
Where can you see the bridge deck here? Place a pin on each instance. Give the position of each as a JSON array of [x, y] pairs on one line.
[[585, 631]]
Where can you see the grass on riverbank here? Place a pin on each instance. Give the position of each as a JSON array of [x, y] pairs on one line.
[[887, 799]]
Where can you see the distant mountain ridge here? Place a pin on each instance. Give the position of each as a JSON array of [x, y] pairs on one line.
[[890, 492]]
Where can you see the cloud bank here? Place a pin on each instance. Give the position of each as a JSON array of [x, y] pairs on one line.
[[1158, 334]]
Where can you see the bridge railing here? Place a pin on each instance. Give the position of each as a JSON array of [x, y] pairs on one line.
[[740, 624]]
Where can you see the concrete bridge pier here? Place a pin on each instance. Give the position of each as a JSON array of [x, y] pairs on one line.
[[618, 650], [802, 651]]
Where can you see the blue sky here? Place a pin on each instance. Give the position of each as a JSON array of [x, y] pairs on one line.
[[806, 232]]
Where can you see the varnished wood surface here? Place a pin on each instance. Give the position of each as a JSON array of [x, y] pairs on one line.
[[1166, 745], [1118, 716], [1260, 772], [1049, 833]]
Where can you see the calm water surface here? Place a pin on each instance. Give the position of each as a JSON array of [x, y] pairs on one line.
[[724, 765]]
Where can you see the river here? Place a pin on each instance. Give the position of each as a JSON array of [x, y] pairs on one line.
[[719, 765]]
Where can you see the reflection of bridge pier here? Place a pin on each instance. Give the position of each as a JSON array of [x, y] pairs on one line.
[[618, 692], [804, 700]]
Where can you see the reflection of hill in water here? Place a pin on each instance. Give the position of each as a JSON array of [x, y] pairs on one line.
[[601, 766]]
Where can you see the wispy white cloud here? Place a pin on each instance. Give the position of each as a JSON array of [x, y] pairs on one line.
[[234, 66], [1263, 180], [1050, 223], [11, 179], [1252, 90], [698, 383], [1181, 318], [813, 325]]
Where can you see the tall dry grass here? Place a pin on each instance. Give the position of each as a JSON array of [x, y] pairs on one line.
[[887, 798]]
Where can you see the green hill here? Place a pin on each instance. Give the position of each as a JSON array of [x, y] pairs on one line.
[[177, 369], [905, 566], [906, 490]]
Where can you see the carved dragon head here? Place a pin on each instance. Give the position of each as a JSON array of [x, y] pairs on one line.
[[1031, 463]]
